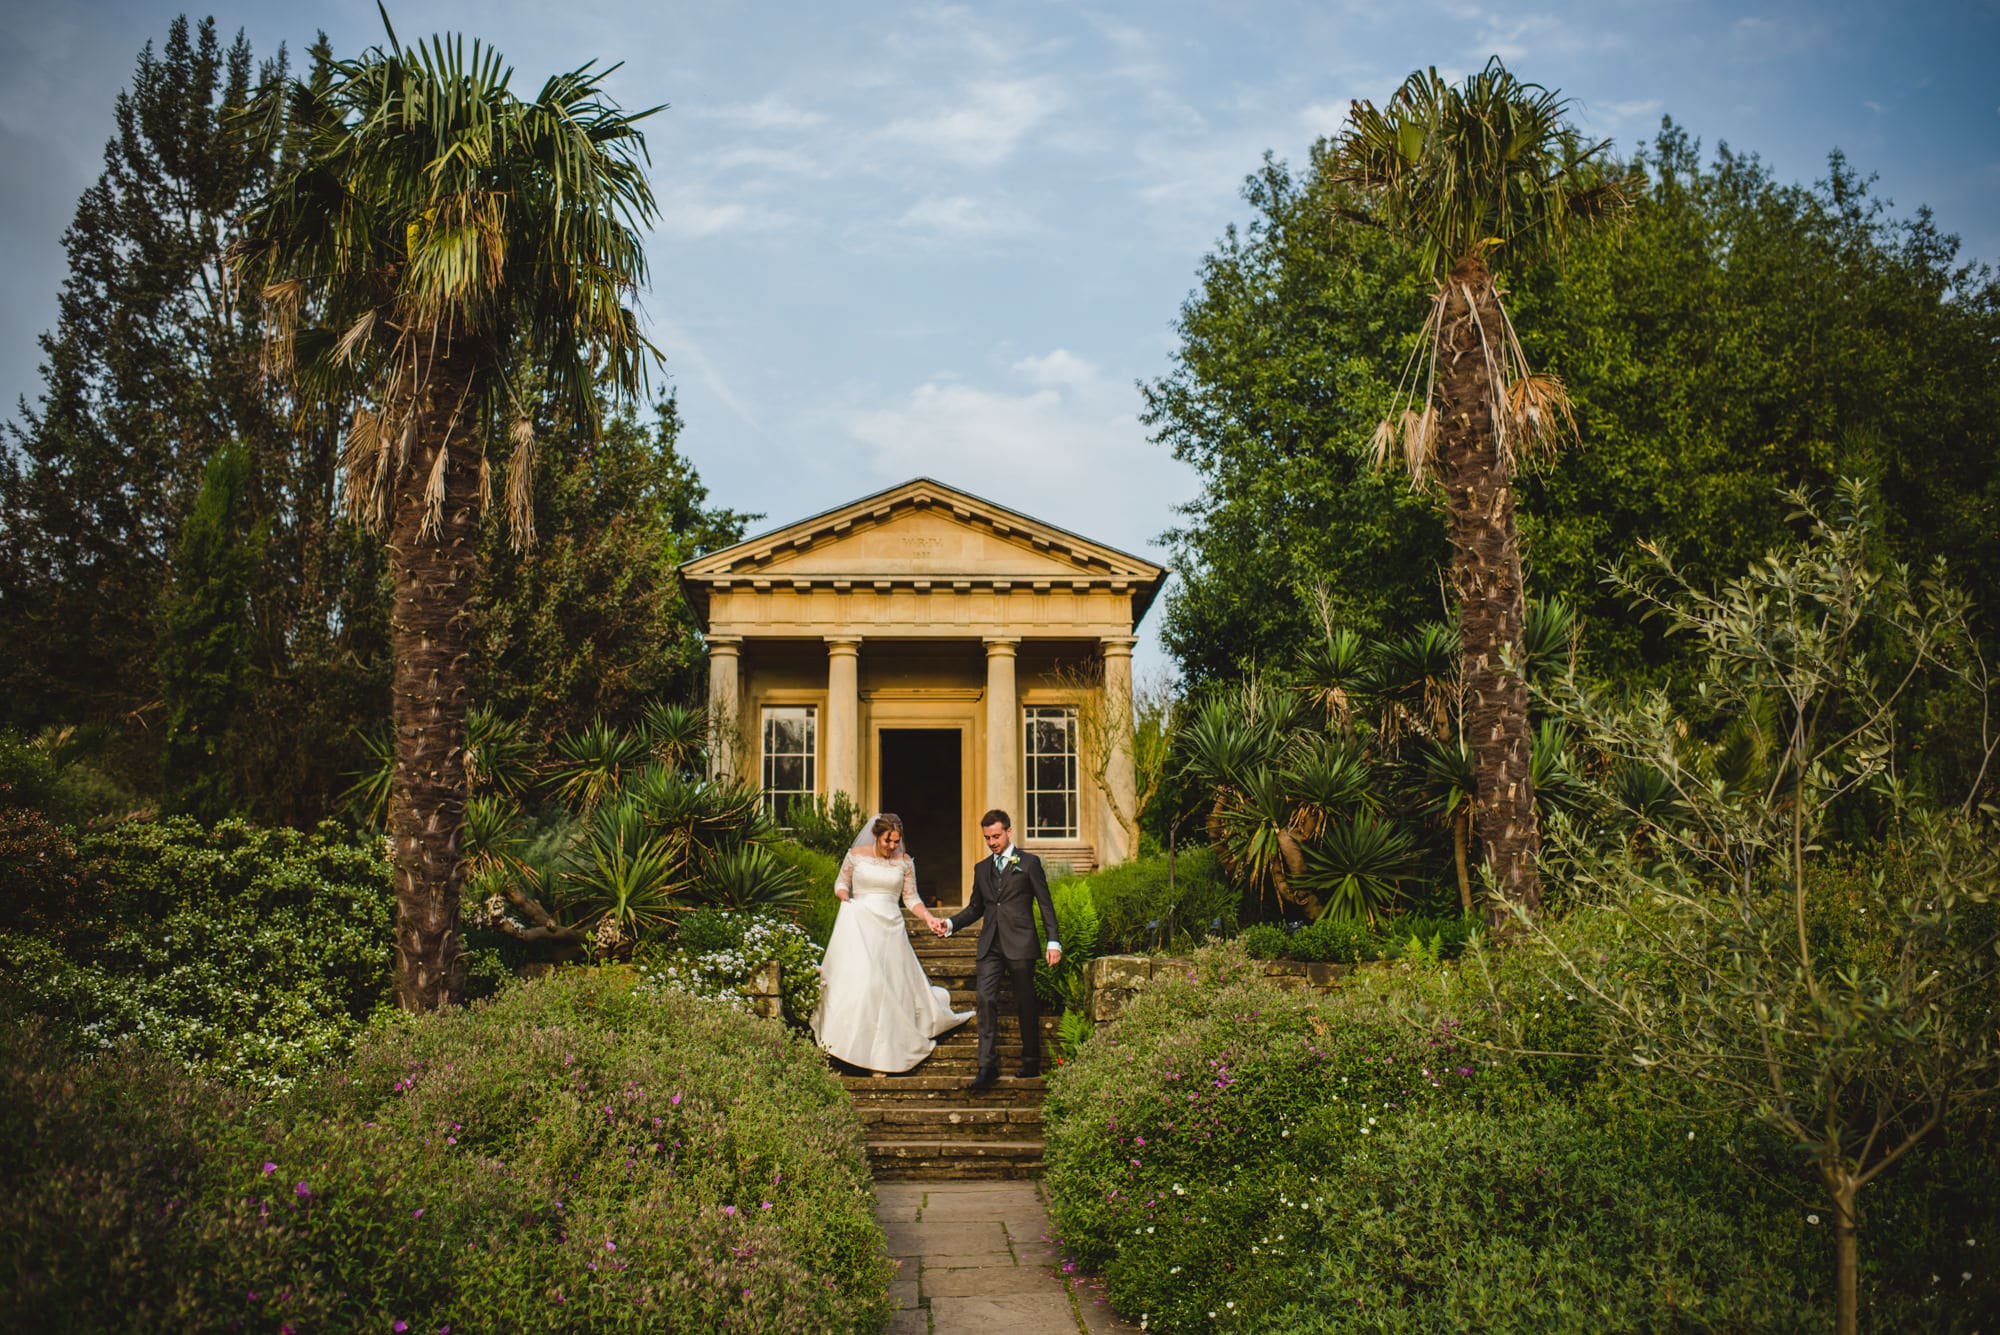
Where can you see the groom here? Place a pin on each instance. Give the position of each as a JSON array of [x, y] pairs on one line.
[[1005, 889]]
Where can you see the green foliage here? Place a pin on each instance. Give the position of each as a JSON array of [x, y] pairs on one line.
[[1081, 938], [1138, 911], [56, 774], [817, 906], [1855, 1031], [590, 623], [825, 825], [1335, 940], [750, 877], [575, 1154], [248, 954], [1857, 343], [204, 634], [715, 953], [154, 362], [1365, 1160]]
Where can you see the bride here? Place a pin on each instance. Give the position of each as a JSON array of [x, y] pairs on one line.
[[877, 1010]]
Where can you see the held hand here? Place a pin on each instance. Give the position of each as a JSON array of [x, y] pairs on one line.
[[1054, 956], [840, 893], [942, 926]]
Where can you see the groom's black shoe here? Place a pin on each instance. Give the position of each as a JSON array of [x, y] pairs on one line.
[[987, 1078], [1028, 1071]]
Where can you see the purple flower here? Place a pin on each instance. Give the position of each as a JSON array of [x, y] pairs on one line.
[[400, 1325], [765, 1206], [729, 1209], [675, 1100], [417, 1213], [269, 1168], [610, 1246], [302, 1190]]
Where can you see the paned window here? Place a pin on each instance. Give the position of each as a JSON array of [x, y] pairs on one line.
[[1050, 772], [791, 756]]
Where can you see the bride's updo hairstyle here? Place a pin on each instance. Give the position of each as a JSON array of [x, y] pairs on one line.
[[884, 823]]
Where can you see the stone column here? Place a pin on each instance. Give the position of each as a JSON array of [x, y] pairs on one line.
[[1122, 835], [725, 704], [843, 717], [1003, 731]]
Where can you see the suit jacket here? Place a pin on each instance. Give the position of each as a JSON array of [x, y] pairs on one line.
[[1006, 900]]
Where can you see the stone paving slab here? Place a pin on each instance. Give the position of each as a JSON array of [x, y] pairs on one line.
[[977, 1257]]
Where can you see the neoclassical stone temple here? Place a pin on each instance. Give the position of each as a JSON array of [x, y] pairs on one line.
[[926, 651]]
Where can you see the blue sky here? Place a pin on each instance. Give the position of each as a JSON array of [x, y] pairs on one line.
[[947, 239]]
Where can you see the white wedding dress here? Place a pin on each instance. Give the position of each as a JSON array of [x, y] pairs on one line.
[[877, 1009]]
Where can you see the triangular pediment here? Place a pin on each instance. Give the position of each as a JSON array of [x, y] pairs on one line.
[[923, 531]]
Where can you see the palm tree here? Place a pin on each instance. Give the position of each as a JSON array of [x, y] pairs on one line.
[[432, 238], [1489, 170]]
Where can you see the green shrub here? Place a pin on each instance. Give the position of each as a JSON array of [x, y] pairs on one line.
[[574, 1155], [248, 954], [52, 774], [717, 951], [817, 906], [826, 826], [1229, 1154], [1076, 916], [1136, 912], [1265, 941], [1334, 940]]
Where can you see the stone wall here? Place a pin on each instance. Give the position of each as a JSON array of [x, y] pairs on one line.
[[1111, 981]]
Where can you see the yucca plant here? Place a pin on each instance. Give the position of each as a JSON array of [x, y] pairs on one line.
[[1355, 868], [676, 735], [1250, 829], [1416, 677], [749, 876], [590, 765], [626, 879], [1326, 779], [499, 755], [1442, 782]]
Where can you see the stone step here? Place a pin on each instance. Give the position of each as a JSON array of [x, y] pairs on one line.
[[963, 1121], [933, 1159], [951, 1092]]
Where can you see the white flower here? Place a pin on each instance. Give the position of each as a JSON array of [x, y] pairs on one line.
[[1812, 1219]]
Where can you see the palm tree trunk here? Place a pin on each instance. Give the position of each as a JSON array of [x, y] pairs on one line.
[[430, 629], [1486, 578], [1461, 836]]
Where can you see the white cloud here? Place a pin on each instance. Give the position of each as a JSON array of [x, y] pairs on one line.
[[963, 218], [784, 161], [690, 215], [1065, 445], [985, 126], [770, 112]]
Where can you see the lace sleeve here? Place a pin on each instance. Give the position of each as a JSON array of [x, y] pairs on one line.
[[845, 881], [911, 899]]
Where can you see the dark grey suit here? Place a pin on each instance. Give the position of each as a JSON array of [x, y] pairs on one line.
[[1007, 946]]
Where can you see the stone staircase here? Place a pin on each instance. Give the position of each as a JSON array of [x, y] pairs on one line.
[[923, 1126]]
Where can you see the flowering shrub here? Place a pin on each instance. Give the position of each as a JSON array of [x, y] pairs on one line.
[[716, 953], [1229, 1154], [575, 1155], [248, 954], [1339, 940]]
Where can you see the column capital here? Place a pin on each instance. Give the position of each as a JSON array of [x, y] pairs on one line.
[[843, 644], [723, 644], [1120, 645], [998, 646]]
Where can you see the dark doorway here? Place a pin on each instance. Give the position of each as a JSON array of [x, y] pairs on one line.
[[920, 783]]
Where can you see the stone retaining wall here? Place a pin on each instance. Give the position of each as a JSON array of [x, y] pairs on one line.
[[1111, 981]]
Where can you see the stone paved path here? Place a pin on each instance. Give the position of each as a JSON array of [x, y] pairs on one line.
[[976, 1258]]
